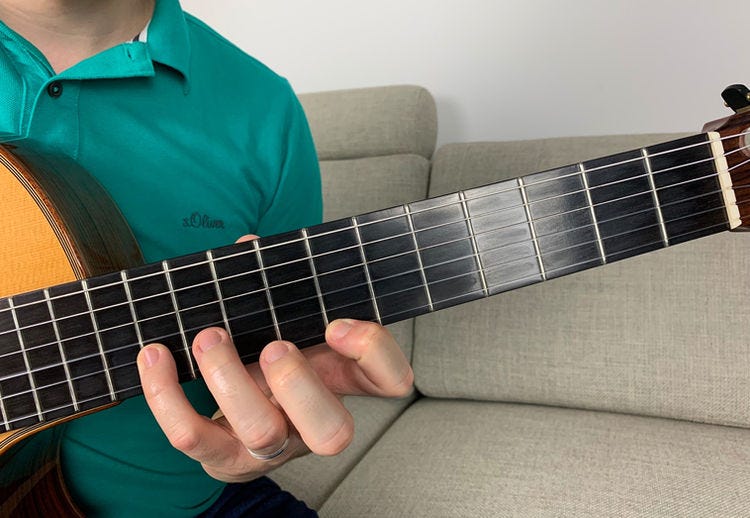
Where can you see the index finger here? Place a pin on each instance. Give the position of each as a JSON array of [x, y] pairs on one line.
[[376, 365]]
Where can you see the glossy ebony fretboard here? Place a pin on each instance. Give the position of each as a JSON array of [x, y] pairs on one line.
[[72, 348]]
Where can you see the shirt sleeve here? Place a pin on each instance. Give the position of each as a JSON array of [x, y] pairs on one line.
[[297, 201]]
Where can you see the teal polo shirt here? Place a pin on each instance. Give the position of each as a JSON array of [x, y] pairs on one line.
[[197, 143]]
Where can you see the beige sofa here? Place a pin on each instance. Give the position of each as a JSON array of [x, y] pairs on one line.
[[618, 391]]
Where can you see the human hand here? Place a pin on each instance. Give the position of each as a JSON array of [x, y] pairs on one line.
[[288, 395]]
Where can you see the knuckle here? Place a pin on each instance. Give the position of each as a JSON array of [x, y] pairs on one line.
[[264, 432], [186, 441], [404, 386], [373, 332], [288, 377], [337, 441]]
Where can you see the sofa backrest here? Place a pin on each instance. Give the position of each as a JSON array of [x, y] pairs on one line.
[[663, 334], [374, 146]]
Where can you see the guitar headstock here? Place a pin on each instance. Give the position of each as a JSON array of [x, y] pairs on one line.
[[735, 137]]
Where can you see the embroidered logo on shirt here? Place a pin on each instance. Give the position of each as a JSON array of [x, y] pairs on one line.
[[198, 220]]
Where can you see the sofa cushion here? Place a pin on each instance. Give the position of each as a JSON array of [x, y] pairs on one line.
[[459, 458], [356, 186], [663, 334], [362, 122]]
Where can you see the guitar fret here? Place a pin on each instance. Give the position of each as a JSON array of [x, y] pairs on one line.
[[100, 345], [212, 267], [66, 368], [534, 239], [366, 270], [323, 311], [474, 245], [419, 258], [131, 305], [587, 192], [181, 327], [25, 356], [3, 410], [267, 289], [657, 206]]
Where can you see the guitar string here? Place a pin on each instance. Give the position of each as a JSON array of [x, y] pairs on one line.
[[512, 282], [138, 387], [300, 280], [397, 216], [211, 283], [449, 204], [430, 228], [515, 188], [462, 295]]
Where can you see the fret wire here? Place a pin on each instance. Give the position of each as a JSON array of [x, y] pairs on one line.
[[434, 246], [315, 278], [61, 349], [288, 263], [263, 276], [419, 257], [220, 298], [587, 190], [129, 297], [530, 223], [26, 362], [98, 337], [483, 196], [366, 270], [655, 197], [180, 325], [474, 244], [3, 412], [496, 266], [61, 407], [493, 194]]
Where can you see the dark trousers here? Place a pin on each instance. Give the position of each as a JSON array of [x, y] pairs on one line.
[[261, 497]]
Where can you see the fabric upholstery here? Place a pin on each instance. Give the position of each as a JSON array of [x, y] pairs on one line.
[[348, 189], [365, 122], [662, 334], [461, 458]]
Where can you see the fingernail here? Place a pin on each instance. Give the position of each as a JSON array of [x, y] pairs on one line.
[[150, 356], [208, 339], [274, 351], [340, 328]]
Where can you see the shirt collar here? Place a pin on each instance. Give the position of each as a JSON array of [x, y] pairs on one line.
[[168, 44], [168, 39]]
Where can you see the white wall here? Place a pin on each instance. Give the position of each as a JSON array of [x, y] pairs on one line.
[[510, 69]]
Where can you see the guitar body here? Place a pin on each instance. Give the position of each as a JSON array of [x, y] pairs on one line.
[[57, 225]]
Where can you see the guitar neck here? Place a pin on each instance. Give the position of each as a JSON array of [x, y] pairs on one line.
[[72, 348]]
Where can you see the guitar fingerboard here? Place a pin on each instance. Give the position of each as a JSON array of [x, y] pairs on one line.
[[72, 348]]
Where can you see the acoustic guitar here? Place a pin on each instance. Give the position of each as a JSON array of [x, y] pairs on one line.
[[77, 303]]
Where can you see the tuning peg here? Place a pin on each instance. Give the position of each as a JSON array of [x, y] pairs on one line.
[[736, 97]]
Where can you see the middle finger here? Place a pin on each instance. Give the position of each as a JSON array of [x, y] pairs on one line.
[[258, 424]]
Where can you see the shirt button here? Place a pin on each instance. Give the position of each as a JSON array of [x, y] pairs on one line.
[[54, 89]]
